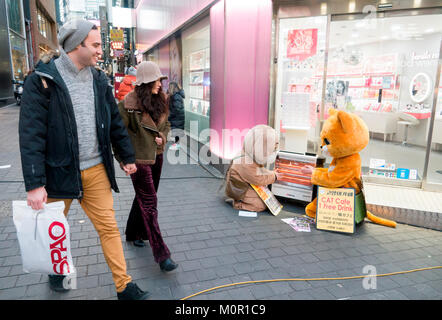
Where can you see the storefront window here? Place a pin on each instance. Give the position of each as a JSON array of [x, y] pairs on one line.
[[44, 26], [300, 79], [384, 71], [14, 16], [18, 57], [196, 78]]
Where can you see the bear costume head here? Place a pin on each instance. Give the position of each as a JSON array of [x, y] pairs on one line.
[[343, 134]]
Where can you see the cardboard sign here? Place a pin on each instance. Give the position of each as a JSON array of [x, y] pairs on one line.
[[269, 199], [335, 210]]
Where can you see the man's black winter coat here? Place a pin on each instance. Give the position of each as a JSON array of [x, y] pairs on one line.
[[48, 133]]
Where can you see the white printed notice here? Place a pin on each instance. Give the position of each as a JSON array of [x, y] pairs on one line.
[[295, 110], [336, 210]]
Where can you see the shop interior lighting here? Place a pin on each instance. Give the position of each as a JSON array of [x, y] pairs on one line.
[[323, 8], [416, 3], [351, 6], [385, 5]]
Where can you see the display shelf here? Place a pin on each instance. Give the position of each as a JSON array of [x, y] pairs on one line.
[[360, 75], [197, 70], [383, 99], [199, 114], [382, 169], [296, 128]]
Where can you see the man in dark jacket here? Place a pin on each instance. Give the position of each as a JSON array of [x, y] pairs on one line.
[[68, 121]]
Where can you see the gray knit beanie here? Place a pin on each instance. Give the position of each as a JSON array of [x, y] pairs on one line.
[[72, 33]]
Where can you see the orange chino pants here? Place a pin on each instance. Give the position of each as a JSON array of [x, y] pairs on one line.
[[97, 203]]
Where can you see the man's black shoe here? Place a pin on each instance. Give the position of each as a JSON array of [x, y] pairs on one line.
[[132, 292], [56, 283], [168, 265], [139, 243]]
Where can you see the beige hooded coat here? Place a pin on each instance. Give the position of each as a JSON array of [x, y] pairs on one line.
[[259, 149]]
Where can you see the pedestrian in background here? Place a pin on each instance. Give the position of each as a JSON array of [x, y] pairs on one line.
[[176, 113], [127, 85], [144, 112], [68, 121]]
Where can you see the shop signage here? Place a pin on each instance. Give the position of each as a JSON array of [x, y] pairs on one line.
[[117, 35], [404, 173], [302, 43], [424, 56], [118, 53], [117, 45], [381, 64], [336, 210]]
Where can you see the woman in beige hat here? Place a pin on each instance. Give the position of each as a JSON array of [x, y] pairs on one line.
[[144, 112]]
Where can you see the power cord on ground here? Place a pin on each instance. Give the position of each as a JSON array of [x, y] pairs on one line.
[[311, 279]]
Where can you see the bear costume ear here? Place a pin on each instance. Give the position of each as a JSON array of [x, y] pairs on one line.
[[345, 120]]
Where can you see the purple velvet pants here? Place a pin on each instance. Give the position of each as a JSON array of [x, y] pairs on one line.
[[142, 223]]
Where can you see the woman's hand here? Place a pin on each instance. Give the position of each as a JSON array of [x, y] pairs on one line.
[[278, 175], [159, 141], [129, 168]]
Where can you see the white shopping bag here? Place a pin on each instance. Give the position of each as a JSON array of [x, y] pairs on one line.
[[44, 238]]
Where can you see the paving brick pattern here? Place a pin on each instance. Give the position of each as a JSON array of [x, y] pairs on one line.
[[214, 246]]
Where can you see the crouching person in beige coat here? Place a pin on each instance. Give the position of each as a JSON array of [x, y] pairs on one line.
[[259, 150]]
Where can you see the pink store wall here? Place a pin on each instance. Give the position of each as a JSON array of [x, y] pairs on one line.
[[217, 120], [240, 74]]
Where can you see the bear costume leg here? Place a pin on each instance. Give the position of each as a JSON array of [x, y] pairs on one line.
[[310, 210]]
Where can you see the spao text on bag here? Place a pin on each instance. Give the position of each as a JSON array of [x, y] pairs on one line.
[[57, 232]]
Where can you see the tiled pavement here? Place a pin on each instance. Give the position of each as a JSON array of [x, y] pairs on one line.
[[214, 246]]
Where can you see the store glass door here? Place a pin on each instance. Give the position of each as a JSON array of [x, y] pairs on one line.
[[298, 94], [434, 171], [383, 69]]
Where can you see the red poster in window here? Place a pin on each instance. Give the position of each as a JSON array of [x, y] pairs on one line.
[[302, 44]]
